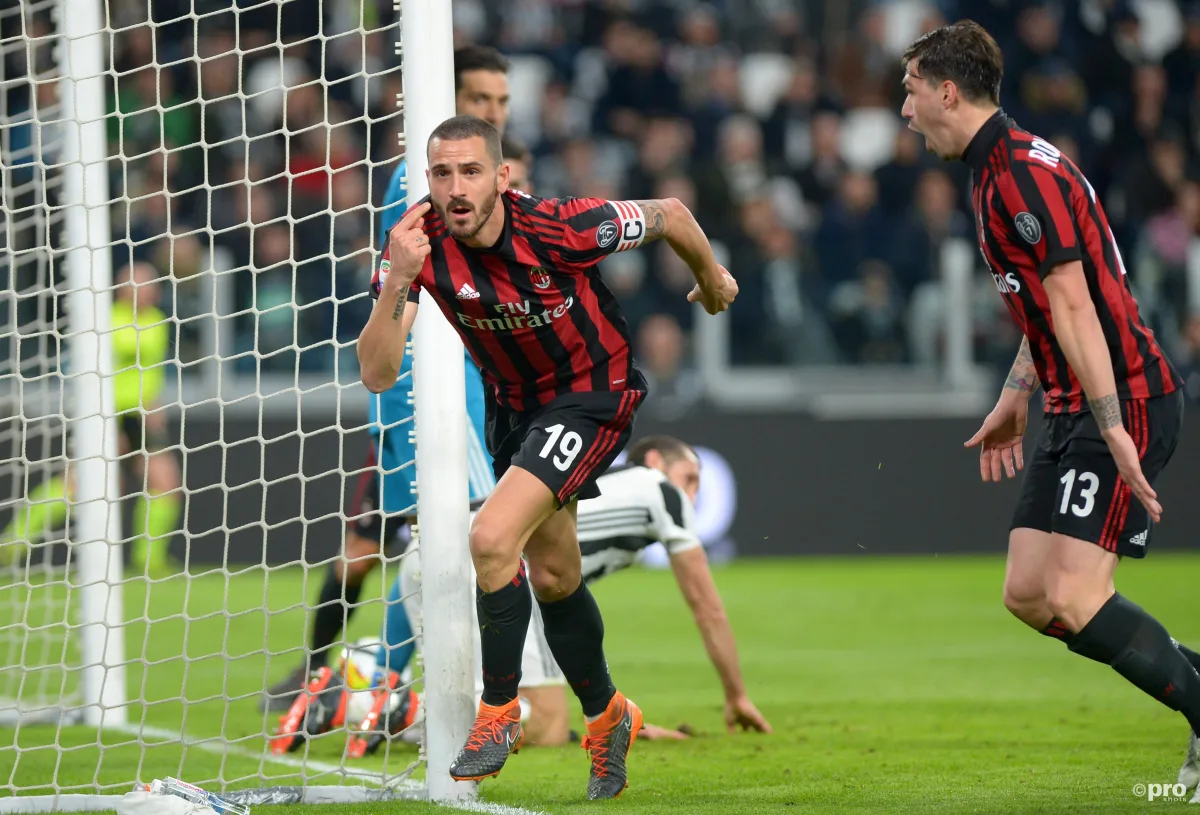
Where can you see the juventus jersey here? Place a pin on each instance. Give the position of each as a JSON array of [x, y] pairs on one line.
[[637, 507]]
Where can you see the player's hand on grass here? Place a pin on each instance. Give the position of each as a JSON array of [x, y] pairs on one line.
[[715, 295], [1129, 464], [1000, 439], [408, 247], [652, 732], [741, 712]]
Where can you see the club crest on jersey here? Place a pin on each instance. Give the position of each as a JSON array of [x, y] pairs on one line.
[[539, 278], [1028, 227], [606, 233]]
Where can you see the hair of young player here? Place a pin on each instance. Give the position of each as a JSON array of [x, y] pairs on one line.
[[962, 53], [462, 127], [669, 447], [477, 58], [515, 150]]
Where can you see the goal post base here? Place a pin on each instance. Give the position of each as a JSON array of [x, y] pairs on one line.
[[263, 796]]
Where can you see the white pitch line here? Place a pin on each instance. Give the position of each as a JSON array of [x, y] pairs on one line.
[[489, 808], [210, 746]]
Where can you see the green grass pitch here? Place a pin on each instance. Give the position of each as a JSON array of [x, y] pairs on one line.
[[894, 685]]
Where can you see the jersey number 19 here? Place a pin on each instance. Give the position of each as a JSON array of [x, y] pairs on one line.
[[569, 444]]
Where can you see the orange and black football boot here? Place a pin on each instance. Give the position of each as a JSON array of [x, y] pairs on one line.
[[395, 707], [319, 708], [609, 740], [496, 733]]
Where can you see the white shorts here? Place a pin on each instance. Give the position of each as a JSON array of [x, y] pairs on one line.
[[538, 668]]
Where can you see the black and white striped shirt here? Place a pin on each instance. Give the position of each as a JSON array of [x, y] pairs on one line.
[[637, 506]]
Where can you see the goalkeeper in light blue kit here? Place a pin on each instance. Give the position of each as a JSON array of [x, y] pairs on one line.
[[481, 89]]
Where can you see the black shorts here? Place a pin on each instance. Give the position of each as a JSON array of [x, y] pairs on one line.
[[567, 443], [1072, 486], [139, 436], [364, 515]]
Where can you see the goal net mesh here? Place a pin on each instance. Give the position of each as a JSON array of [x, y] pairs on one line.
[[248, 146]]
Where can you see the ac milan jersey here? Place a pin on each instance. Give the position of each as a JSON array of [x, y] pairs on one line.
[[1034, 210], [532, 310]]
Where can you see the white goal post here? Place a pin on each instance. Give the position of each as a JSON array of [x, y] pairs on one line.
[[242, 162]]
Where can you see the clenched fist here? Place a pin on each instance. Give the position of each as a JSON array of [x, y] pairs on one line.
[[715, 295], [407, 246]]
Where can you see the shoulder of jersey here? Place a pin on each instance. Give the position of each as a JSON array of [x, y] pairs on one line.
[[1033, 151], [523, 200]]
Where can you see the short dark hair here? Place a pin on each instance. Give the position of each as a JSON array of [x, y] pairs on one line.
[[515, 150], [669, 447], [962, 53], [463, 127], [477, 58]]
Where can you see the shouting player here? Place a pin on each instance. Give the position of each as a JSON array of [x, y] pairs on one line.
[[1113, 403], [516, 276], [379, 515]]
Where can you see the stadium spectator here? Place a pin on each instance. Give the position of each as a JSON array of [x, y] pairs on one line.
[[742, 99]]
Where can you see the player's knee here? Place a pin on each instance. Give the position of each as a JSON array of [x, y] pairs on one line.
[[1074, 603], [356, 570], [360, 557], [553, 579], [1026, 603], [490, 545]]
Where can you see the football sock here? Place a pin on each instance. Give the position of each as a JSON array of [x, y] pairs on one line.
[[1140, 649], [504, 617], [575, 633], [332, 613], [1191, 655], [398, 645], [1058, 631]]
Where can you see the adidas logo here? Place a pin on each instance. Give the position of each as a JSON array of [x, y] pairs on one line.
[[467, 293], [1139, 539]]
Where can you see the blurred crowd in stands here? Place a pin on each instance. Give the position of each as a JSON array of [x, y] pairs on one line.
[[776, 121]]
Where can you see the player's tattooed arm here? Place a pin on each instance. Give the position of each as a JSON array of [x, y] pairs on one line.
[[1107, 410], [398, 312], [669, 219], [655, 214], [1023, 374]]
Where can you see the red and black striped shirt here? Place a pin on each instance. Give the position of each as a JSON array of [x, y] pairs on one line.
[[532, 310], [1034, 210]]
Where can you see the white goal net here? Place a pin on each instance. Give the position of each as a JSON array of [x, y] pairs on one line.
[[190, 193]]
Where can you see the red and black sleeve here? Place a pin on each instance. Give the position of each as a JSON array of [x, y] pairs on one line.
[[1043, 217], [593, 228]]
